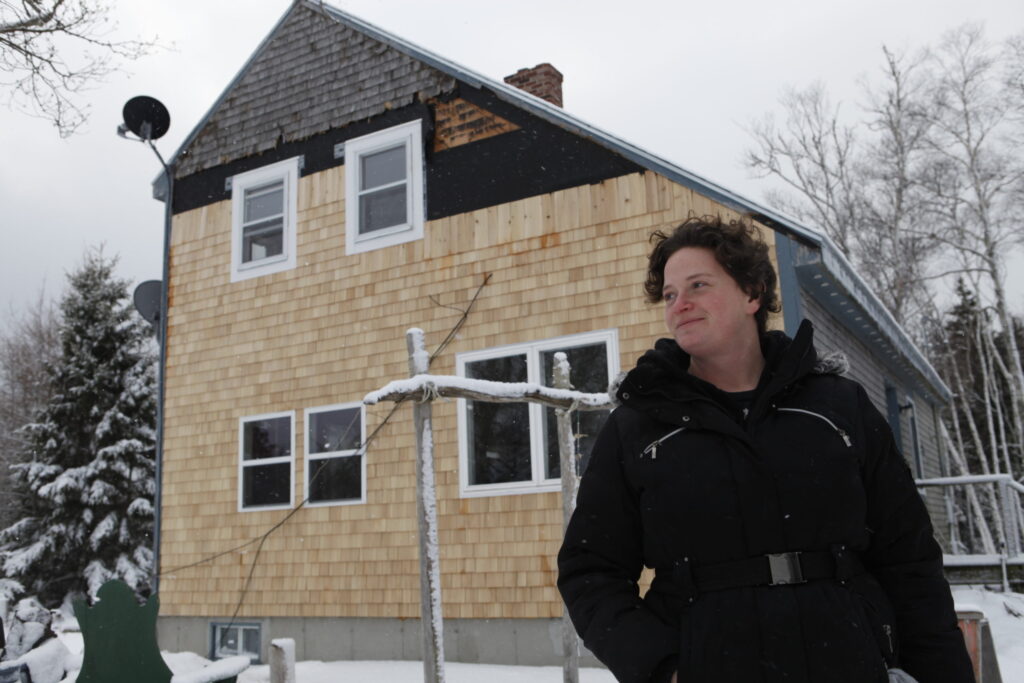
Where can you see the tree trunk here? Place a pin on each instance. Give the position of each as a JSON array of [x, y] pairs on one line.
[[973, 505]]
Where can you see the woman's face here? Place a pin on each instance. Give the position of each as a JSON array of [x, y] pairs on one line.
[[705, 310]]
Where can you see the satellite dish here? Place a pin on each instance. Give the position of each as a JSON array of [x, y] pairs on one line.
[[147, 117], [148, 298]]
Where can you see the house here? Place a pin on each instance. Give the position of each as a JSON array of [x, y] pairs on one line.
[[345, 187]]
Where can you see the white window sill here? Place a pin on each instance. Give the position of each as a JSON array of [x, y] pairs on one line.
[[516, 489]]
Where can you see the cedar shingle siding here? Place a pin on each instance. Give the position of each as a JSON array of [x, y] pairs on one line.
[[557, 213], [315, 74]]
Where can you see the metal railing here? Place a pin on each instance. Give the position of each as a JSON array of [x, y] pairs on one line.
[[998, 507]]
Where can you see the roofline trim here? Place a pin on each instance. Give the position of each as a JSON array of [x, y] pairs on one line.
[[832, 256], [194, 133]]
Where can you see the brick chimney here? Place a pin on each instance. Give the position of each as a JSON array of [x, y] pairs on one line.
[[543, 80]]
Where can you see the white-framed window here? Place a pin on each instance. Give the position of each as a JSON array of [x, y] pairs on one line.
[[266, 461], [507, 448], [263, 215], [335, 462], [231, 640], [384, 188]]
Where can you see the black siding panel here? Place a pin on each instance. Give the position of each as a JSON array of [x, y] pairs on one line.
[[536, 159], [527, 162]]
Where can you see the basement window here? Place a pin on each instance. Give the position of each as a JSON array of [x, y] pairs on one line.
[[384, 188], [507, 448], [335, 466], [231, 640], [263, 214], [266, 465]]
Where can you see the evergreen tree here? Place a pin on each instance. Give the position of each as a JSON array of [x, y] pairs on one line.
[[88, 478]]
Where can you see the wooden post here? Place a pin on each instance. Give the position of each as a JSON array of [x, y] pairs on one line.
[[567, 464], [282, 660], [431, 619], [428, 387]]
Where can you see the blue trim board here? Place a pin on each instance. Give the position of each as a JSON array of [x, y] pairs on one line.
[[912, 369], [789, 288]]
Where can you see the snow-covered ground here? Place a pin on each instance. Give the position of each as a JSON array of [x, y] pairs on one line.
[[412, 672], [1005, 614]]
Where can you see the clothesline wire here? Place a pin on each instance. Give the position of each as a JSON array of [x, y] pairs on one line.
[[260, 540]]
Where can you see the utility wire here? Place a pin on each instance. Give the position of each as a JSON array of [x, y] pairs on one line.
[[361, 451]]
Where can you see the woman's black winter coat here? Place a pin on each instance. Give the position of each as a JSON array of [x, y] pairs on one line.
[[813, 467]]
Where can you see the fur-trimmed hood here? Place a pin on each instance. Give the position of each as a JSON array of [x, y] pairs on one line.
[[832, 363]]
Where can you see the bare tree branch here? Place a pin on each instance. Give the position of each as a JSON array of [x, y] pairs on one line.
[[980, 172], [51, 50]]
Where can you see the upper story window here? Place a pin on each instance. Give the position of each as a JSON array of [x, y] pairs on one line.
[[335, 463], [513, 447], [263, 214], [266, 445], [384, 188]]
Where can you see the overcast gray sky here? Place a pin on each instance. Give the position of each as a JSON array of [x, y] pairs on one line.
[[678, 77]]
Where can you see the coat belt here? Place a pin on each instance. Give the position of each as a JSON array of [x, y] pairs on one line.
[[774, 569]]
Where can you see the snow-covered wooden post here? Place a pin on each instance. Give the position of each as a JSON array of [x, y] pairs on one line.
[[282, 660], [426, 512], [567, 465], [423, 388]]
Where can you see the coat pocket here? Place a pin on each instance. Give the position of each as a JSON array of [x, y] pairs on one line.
[[880, 617]]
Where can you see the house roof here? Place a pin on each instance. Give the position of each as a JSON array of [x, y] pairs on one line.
[[311, 74], [822, 265]]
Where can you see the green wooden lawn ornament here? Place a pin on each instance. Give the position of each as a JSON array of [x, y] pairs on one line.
[[120, 638], [120, 643]]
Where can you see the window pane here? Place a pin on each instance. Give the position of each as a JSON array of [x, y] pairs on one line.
[[251, 642], [269, 438], [382, 168], [499, 433], [588, 371], [263, 240], [382, 209], [266, 484], [227, 641], [334, 430], [261, 202], [336, 479]]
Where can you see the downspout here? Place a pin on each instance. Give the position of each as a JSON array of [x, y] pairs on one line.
[[162, 371]]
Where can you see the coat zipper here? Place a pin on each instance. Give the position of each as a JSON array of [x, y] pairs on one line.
[[652, 449], [843, 434], [888, 634]]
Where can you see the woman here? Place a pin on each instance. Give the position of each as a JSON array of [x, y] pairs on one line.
[[787, 536]]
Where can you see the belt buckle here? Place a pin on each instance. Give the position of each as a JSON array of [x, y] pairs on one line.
[[785, 569]]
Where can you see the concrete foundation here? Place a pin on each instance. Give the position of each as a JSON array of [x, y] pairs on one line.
[[528, 642]]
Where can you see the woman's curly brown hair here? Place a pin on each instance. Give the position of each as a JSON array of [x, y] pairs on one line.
[[737, 247]]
